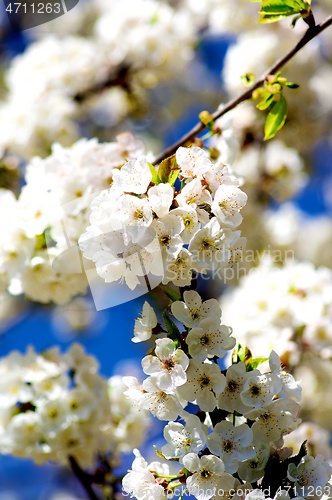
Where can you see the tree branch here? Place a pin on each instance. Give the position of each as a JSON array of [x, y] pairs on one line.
[[83, 477], [311, 33], [118, 78]]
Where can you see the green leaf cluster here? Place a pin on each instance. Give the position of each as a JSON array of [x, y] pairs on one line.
[[271, 97], [243, 353], [275, 10]]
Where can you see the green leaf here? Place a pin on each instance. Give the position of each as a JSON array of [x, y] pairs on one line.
[[292, 85], [155, 177], [168, 170], [276, 117], [172, 330], [265, 103], [248, 78], [275, 10], [253, 363], [171, 294], [241, 354]]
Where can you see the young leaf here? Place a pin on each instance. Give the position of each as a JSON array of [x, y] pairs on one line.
[[172, 330], [276, 118], [265, 103], [155, 177], [168, 170], [253, 363], [275, 10], [171, 294], [292, 85]]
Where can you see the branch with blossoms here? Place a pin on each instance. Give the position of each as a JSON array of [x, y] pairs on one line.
[[309, 35], [232, 446]]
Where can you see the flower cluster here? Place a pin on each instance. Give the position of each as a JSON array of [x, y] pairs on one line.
[[236, 437], [56, 405], [144, 224], [51, 213], [289, 309], [283, 308]]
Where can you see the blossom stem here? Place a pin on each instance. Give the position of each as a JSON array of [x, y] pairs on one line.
[[311, 33], [83, 477]]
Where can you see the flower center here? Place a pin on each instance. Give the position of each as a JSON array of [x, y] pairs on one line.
[[227, 446], [165, 240], [255, 390], [205, 473], [204, 340], [138, 214], [232, 386], [204, 381], [169, 364]]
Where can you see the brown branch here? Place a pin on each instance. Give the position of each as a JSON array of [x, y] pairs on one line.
[[83, 477], [118, 78], [311, 33]]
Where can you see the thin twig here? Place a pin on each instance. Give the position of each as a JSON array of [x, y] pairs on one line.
[[311, 33], [83, 477]]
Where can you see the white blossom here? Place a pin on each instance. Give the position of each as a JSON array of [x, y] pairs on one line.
[[168, 366], [182, 439], [141, 482], [312, 472], [204, 383], [133, 177], [227, 204], [161, 198], [145, 324], [209, 339], [193, 309], [230, 398], [231, 444], [208, 476]]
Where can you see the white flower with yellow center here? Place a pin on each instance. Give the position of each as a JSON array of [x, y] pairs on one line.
[[275, 420], [193, 310], [150, 397], [204, 383], [231, 444], [209, 339], [178, 270], [190, 222], [134, 177], [260, 389], [312, 474], [227, 204], [194, 162], [209, 246], [230, 399], [168, 367], [194, 195], [208, 477], [182, 439]]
